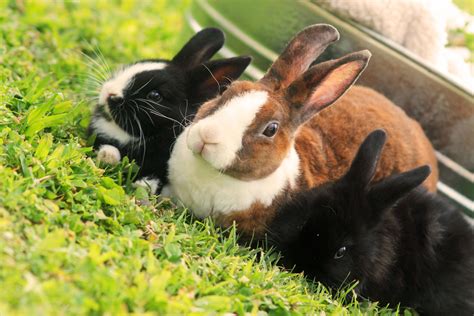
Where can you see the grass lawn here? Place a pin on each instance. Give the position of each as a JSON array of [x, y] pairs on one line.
[[73, 238]]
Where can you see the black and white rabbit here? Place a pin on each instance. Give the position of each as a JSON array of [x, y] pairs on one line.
[[403, 244], [144, 106]]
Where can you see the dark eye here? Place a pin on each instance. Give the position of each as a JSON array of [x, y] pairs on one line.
[[340, 253], [271, 129], [154, 95]]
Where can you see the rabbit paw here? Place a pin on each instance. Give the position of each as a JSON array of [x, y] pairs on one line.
[[148, 183], [166, 191], [109, 154]]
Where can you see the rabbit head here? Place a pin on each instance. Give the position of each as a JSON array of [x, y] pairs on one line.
[[157, 93], [248, 131], [329, 232]]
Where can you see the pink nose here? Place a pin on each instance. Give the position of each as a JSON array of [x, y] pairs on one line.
[[208, 134], [198, 147]]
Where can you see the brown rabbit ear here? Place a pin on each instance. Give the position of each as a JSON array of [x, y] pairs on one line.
[[298, 55], [323, 84]]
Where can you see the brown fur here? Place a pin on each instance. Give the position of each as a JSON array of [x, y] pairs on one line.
[[251, 222], [338, 130], [327, 144], [298, 55], [328, 141], [259, 155]]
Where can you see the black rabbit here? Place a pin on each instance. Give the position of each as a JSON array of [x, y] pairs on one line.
[[144, 106], [401, 243]]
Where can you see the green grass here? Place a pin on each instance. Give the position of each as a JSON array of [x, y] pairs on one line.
[[466, 5], [74, 238], [461, 37]]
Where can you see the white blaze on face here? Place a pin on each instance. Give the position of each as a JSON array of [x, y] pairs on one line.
[[218, 137], [122, 79]]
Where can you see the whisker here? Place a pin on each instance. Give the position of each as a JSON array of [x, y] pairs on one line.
[[101, 57], [150, 102], [166, 117], [130, 83], [142, 136], [210, 72], [102, 63], [144, 111], [143, 86], [98, 70]]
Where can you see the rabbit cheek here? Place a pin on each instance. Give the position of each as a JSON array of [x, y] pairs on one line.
[[218, 137], [260, 155], [258, 159]]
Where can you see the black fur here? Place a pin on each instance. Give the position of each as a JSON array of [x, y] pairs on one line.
[[403, 244], [188, 80]]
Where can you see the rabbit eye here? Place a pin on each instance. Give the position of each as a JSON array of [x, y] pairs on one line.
[[340, 253], [154, 95], [271, 129]]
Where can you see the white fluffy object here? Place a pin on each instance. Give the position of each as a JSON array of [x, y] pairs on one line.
[[421, 26]]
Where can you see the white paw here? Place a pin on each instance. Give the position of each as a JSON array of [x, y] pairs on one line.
[[147, 183], [166, 191], [109, 154]]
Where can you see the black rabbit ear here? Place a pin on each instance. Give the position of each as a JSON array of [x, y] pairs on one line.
[[200, 48], [212, 78], [363, 166], [391, 189]]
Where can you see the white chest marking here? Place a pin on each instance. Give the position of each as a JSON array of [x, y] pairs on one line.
[[206, 192], [111, 130]]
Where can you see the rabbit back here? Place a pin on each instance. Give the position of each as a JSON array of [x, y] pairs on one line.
[[328, 142], [436, 256]]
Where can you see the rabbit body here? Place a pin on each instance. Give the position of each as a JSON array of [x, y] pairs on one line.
[[327, 143], [403, 245], [250, 147], [150, 152]]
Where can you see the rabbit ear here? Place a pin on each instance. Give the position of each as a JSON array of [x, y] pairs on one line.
[[363, 166], [200, 48], [322, 84], [389, 190], [211, 78], [302, 50]]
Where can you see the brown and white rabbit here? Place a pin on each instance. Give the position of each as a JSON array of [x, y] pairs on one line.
[[259, 141]]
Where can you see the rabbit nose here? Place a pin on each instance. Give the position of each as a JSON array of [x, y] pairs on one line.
[[114, 100], [208, 134], [198, 147]]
